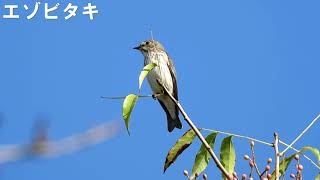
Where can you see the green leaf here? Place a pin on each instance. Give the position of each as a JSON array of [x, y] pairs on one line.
[[227, 155], [202, 159], [284, 164], [315, 151], [318, 177], [128, 105], [182, 144], [145, 72]]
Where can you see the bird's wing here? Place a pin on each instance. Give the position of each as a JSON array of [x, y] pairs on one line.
[[174, 77]]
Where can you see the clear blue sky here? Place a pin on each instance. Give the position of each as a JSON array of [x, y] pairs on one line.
[[248, 67]]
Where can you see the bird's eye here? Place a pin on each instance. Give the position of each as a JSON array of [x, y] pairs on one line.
[[147, 43]]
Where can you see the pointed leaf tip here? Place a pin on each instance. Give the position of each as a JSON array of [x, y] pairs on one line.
[[183, 143], [145, 72], [128, 105]]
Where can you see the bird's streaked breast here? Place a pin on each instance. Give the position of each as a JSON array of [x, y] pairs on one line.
[[161, 71]]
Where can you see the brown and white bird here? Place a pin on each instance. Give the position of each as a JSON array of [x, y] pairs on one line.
[[164, 72]]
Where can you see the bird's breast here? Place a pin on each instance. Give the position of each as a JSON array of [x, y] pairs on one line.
[[161, 72]]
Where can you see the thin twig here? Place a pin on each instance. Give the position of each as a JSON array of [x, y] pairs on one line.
[[239, 136], [263, 172], [305, 156], [263, 142], [276, 151], [301, 134], [251, 172], [254, 159], [198, 133], [123, 97]]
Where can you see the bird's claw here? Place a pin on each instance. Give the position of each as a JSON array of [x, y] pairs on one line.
[[154, 96]]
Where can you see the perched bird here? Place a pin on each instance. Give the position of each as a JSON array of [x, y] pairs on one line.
[[164, 72]]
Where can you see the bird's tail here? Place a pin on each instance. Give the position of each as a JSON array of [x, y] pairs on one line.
[[172, 114], [173, 122]]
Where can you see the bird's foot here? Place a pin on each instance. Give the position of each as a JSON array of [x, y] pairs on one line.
[[154, 96]]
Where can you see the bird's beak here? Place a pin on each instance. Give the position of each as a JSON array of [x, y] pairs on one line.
[[137, 48]]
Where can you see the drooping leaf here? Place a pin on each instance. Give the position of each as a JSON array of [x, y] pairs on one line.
[[318, 177], [128, 105], [227, 155], [315, 151], [182, 144], [145, 72], [202, 159], [284, 164]]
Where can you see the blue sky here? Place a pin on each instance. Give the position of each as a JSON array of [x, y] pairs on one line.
[[248, 67]]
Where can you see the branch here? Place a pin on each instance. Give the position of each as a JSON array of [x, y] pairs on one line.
[[239, 136], [305, 156], [198, 133], [276, 151], [263, 142], [254, 160], [123, 97], [301, 134]]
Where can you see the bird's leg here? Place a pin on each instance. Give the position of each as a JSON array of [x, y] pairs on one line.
[[154, 96], [164, 89]]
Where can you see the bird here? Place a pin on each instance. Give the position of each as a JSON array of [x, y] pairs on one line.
[[154, 52]]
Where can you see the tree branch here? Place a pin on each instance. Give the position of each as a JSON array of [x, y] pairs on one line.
[[239, 136], [198, 133], [123, 97], [301, 134], [305, 156], [263, 142], [277, 155], [254, 160]]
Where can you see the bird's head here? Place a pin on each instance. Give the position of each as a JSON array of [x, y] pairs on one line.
[[149, 45]]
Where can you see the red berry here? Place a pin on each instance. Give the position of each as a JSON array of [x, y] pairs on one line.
[[269, 176], [244, 176], [300, 167], [267, 168], [296, 157], [269, 161], [251, 164]]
